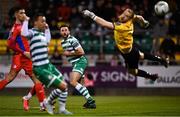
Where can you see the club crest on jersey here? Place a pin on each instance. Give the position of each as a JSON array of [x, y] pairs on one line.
[[81, 69], [50, 77], [14, 66]]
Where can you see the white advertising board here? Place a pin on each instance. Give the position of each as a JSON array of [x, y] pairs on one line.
[[168, 77], [21, 79]]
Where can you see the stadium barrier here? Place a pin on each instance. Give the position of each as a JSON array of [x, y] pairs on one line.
[[111, 77], [107, 76], [168, 77]]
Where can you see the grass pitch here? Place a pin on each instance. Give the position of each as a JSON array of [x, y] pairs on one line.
[[106, 106]]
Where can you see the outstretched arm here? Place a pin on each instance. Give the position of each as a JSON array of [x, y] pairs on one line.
[[144, 23], [24, 30], [48, 34], [98, 19]]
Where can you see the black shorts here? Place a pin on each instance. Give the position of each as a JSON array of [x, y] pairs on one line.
[[132, 58]]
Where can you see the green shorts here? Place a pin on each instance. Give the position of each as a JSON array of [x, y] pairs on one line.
[[80, 65], [48, 75]]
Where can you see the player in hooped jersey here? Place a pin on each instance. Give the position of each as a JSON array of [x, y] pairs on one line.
[[21, 58]]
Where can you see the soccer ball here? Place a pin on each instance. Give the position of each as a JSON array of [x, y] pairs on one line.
[[161, 8]]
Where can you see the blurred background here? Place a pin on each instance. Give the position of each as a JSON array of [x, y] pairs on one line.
[[106, 69]]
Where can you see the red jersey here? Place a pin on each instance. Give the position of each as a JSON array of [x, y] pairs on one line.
[[16, 42], [19, 44]]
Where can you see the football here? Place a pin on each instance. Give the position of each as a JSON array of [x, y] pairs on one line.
[[161, 8]]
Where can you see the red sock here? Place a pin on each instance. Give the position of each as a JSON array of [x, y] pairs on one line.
[[3, 83], [40, 92], [32, 91]]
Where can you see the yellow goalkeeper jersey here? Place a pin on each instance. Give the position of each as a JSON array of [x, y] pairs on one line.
[[123, 35]]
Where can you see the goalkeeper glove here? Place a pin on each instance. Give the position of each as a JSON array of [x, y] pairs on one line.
[[146, 24], [89, 14]]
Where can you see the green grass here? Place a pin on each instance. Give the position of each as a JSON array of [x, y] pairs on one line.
[[106, 106]]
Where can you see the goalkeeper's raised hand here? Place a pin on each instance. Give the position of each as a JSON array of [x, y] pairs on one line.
[[146, 24], [98, 20], [88, 13]]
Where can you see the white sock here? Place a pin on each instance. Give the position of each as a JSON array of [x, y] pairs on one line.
[[41, 104], [62, 101], [62, 106], [28, 96]]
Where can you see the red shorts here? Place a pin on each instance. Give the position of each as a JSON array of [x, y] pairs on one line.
[[19, 62]]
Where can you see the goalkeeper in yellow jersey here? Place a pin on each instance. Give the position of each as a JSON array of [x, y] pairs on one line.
[[123, 35]]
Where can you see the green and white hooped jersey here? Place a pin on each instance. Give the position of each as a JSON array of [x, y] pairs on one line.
[[39, 48], [71, 44]]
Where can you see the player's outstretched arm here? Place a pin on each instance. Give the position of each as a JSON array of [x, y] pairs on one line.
[[98, 19], [24, 30], [144, 23], [48, 34]]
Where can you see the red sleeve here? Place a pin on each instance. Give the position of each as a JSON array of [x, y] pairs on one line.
[[12, 40]]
